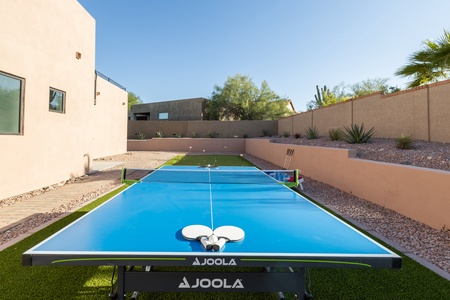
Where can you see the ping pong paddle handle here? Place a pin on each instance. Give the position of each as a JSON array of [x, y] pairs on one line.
[[206, 243], [217, 246]]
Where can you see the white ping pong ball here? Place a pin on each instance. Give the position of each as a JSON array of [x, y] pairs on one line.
[[213, 239]]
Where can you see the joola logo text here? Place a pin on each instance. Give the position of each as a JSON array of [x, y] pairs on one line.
[[216, 283], [214, 262]]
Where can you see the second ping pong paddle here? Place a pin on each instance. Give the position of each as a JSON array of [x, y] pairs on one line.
[[198, 233], [227, 234]]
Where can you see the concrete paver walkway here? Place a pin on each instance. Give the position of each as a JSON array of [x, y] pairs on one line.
[[52, 200], [29, 214]]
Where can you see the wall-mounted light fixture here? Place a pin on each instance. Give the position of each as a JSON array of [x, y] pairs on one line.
[[78, 55], [97, 93]]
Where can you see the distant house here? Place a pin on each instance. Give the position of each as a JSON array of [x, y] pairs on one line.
[[175, 110], [290, 105], [57, 113], [192, 109]]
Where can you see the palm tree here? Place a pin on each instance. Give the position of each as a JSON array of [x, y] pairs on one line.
[[442, 55], [430, 64]]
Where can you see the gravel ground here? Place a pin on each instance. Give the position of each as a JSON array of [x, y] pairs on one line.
[[431, 244], [423, 154]]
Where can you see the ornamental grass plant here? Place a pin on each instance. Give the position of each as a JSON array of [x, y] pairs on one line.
[[404, 142], [312, 133]]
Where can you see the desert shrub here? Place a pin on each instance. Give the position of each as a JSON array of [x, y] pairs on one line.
[[212, 134], [356, 134], [312, 133], [404, 142], [334, 134], [160, 134], [298, 135], [286, 134]]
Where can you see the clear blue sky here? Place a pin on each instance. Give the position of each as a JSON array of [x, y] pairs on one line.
[[173, 49]]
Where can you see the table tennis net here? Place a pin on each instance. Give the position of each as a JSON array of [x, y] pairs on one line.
[[211, 176]]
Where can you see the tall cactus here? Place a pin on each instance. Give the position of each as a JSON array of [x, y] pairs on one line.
[[318, 96], [321, 96]]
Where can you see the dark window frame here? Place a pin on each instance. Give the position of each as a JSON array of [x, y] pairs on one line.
[[63, 104], [20, 125]]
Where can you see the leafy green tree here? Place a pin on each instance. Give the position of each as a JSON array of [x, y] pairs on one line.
[[430, 64], [133, 99], [240, 99], [344, 92], [369, 86]]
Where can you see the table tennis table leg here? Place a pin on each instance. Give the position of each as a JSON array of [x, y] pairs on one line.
[[301, 288], [121, 282]]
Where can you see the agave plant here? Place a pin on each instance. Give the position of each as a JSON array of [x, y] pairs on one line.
[[312, 133], [141, 136], [335, 134], [356, 134]]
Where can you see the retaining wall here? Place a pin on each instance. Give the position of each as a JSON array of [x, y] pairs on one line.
[[419, 193]]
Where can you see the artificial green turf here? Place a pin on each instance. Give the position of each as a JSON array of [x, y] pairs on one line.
[[83, 282], [52, 282]]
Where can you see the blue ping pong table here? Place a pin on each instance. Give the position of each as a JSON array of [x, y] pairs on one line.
[[142, 227]]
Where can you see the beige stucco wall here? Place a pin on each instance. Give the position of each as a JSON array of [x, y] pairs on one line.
[[391, 116], [422, 112], [285, 125], [108, 120], [336, 116], [40, 42], [440, 112], [302, 121], [419, 193], [189, 145], [225, 129]]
